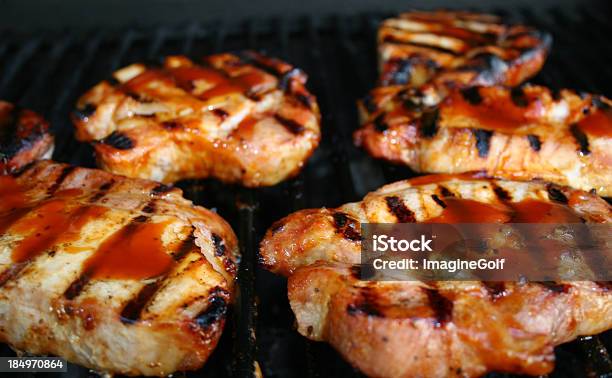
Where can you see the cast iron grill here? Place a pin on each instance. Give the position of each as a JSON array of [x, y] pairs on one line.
[[48, 71]]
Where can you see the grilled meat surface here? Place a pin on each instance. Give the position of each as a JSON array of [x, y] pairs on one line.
[[458, 48], [243, 118], [24, 137], [436, 329], [522, 133], [119, 275]]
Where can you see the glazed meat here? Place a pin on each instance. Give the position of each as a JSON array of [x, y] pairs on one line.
[[24, 137], [119, 275], [523, 133], [435, 328], [242, 118], [461, 48]]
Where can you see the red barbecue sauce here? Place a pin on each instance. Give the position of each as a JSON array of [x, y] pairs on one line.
[[598, 123]]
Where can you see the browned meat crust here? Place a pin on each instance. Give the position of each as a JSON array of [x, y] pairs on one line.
[[24, 137], [435, 329], [119, 275], [242, 117], [523, 133], [458, 49]]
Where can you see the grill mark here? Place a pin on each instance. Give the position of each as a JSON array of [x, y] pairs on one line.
[[472, 95], [150, 207], [216, 309], [501, 193], [429, 123], [483, 141], [254, 61], [291, 125], [77, 286], [160, 189], [132, 311], [379, 123], [581, 139], [60, 179], [534, 142], [85, 112], [441, 306], [517, 95], [12, 272], [398, 208], [555, 194], [102, 190], [220, 113], [365, 304], [171, 125], [303, 99], [438, 201], [346, 226], [219, 244], [555, 287], [495, 289], [118, 140], [445, 192]]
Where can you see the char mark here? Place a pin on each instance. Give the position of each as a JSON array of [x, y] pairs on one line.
[[534, 142], [604, 285], [219, 244], [303, 99], [495, 289], [346, 226], [365, 304], [186, 246], [379, 123], [600, 104], [12, 272], [489, 66], [77, 286], [581, 139], [555, 287], [392, 39], [149, 207], [445, 192], [160, 189], [216, 310], [253, 59], [118, 140], [83, 113], [441, 306], [220, 113], [102, 190], [501, 193], [483, 141], [438, 200], [517, 94], [398, 208], [60, 179], [556, 194], [291, 125], [472, 95], [171, 125], [429, 123], [132, 311]]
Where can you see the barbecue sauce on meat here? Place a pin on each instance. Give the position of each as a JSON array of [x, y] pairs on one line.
[[217, 82], [135, 252], [598, 123], [498, 113], [527, 211]]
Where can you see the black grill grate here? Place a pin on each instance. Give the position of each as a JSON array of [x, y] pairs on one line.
[[48, 71]]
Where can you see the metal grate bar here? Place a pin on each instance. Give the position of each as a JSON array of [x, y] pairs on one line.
[[11, 70]]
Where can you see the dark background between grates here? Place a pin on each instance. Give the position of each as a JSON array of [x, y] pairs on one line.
[[46, 71]]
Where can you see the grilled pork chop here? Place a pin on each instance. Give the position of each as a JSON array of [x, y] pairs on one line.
[[242, 118], [119, 275], [522, 133], [24, 137], [436, 329], [460, 48]]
